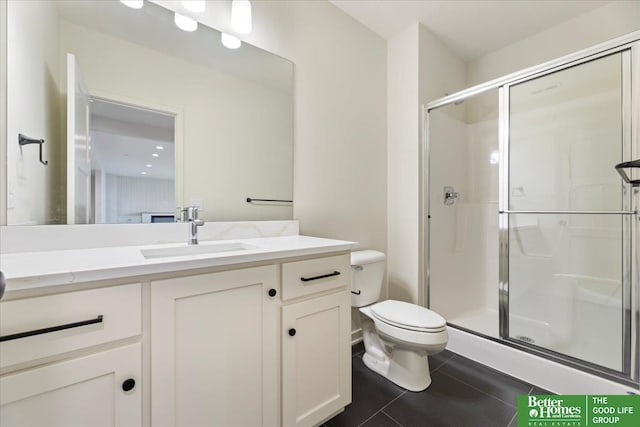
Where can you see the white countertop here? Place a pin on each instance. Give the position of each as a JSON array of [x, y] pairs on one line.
[[28, 270]]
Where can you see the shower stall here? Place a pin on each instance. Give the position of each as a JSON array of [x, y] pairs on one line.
[[531, 236]]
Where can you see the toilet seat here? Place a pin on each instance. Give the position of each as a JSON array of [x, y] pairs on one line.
[[408, 316]]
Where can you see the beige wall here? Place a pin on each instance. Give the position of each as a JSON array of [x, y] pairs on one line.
[[420, 68], [403, 118], [340, 176], [612, 20], [33, 109]]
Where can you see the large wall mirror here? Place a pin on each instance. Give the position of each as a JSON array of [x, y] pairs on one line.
[[139, 117]]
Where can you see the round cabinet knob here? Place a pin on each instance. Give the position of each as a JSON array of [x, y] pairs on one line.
[[128, 384], [292, 332], [272, 292]]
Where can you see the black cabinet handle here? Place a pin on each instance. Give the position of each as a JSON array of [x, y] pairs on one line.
[[356, 292], [308, 279], [273, 292], [128, 384], [292, 332], [51, 329]]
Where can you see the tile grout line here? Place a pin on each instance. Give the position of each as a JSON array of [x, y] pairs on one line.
[[380, 410], [442, 364], [393, 419], [511, 420], [481, 391]]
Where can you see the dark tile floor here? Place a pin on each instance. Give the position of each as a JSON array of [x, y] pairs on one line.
[[463, 393]]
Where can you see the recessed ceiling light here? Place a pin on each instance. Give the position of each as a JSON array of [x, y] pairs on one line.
[[159, 147], [197, 6], [229, 41], [185, 23], [134, 4], [155, 154], [143, 173], [149, 165]]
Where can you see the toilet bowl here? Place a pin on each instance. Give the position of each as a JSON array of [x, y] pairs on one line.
[[398, 336]]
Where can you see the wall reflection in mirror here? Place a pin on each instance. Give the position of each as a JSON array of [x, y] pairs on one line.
[[139, 117]]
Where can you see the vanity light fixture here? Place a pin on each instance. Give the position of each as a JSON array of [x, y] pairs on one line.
[[196, 6], [159, 147], [133, 4], [241, 16], [185, 23], [229, 41], [155, 154]]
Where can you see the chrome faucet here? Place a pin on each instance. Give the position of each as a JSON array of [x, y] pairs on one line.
[[190, 215]]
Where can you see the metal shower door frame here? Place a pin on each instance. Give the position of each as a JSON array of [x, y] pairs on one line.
[[629, 45]]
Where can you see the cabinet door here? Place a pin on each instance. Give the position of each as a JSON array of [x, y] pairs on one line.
[[316, 359], [87, 391], [214, 350]]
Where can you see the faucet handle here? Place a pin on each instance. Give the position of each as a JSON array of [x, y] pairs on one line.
[[192, 213], [181, 214]]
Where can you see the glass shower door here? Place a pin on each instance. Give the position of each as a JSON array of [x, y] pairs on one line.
[[565, 212]]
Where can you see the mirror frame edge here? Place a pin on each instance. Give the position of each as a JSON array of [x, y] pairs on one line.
[[3, 112]]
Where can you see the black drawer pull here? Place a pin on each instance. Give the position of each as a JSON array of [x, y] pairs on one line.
[[51, 329], [128, 384], [308, 279]]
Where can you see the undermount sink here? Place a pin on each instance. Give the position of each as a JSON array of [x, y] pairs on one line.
[[202, 248]]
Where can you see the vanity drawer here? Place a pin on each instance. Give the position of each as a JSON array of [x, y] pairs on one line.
[[41, 327], [307, 277]]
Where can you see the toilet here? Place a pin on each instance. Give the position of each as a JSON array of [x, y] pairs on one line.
[[398, 336]]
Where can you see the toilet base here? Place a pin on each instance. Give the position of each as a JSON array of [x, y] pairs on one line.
[[407, 368]]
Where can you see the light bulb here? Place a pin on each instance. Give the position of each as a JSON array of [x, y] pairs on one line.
[[232, 42], [185, 23], [196, 6], [159, 147], [134, 4], [241, 16]]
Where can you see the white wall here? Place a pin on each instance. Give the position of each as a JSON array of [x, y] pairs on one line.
[[32, 69], [612, 20]]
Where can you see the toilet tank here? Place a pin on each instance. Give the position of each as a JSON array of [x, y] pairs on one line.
[[367, 272]]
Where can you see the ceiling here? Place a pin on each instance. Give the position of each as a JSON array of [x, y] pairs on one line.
[[470, 28]]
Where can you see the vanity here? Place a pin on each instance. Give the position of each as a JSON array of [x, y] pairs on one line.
[[247, 332]]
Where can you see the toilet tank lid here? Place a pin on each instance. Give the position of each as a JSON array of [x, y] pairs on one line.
[[408, 315], [366, 257]]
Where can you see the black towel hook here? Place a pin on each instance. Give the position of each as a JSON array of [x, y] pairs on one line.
[[24, 140], [628, 165]]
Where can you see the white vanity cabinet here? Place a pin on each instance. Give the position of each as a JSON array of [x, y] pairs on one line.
[[316, 343], [72, 359], [215, 349], [262, 343]]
